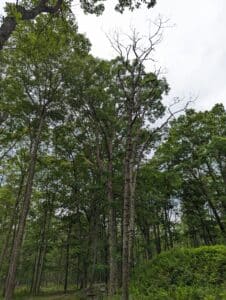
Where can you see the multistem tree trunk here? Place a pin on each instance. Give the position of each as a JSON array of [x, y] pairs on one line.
[[39, 261], [11, 277], [112, 229]]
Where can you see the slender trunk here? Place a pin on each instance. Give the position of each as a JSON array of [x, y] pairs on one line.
[[157, 238], [67, 257], [145, 229], [165, 224], [168, 232], [78, 271], [112, 234], [126, 219], [133, 177], [11, 277]]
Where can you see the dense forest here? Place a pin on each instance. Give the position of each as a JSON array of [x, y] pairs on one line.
[[105, 191]]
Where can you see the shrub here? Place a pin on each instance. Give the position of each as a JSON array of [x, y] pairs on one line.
[[196, 273]]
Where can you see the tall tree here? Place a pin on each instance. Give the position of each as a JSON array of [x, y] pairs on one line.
[[140, 103], [37, 72]]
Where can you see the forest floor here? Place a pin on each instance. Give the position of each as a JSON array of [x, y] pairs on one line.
[[50, 297], [47, 296], [55, 296]]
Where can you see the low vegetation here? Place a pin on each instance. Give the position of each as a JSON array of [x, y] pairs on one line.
[[194, 273]]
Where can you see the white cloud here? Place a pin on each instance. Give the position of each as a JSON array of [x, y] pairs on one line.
[[193, 51]]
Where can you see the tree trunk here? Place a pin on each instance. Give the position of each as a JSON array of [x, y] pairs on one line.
[[126, 219], [133, 177], [112, 234], [157, 238], [67, 257], [11, 277]]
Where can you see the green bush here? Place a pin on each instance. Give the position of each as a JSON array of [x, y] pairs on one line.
[[197, 273]]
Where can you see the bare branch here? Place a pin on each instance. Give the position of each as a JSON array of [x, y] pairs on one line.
[[172, 115]]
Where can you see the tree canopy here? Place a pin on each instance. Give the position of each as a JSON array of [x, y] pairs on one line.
[[29, 10]]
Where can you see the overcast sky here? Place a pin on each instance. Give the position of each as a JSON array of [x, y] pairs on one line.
[[192, 53]]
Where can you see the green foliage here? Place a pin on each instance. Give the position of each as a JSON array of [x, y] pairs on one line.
[[92, 107], [196, 273]]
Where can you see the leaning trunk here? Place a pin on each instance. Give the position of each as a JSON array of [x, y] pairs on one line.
[[6, 247]]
